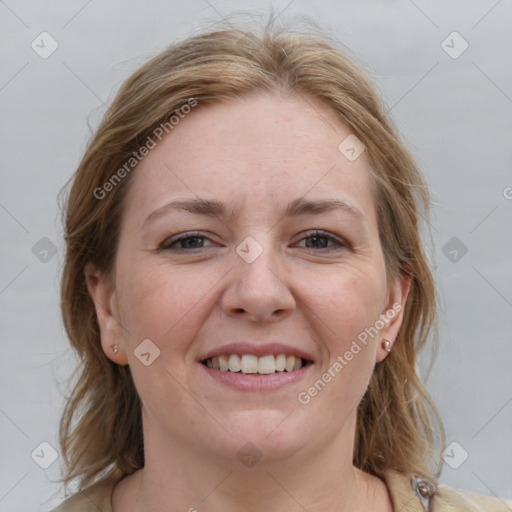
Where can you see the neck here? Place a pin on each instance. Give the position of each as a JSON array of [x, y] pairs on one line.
[[177, 476]]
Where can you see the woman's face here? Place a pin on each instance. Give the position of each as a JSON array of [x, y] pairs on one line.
[[249, 239]]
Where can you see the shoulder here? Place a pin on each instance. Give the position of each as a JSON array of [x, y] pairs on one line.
[[410, 494], [450, 499], [92, 499]]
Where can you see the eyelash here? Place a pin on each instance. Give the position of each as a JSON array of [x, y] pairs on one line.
[[316, 233], [169, 243]]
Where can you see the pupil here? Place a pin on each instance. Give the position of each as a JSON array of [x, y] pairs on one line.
[[318, 242], [192, 243]]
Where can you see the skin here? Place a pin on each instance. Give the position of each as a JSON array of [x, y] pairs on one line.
[[256, 154]]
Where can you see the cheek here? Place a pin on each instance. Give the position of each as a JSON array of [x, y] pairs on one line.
[[168, 307], [344, 306], [346, 302], [164, 304]]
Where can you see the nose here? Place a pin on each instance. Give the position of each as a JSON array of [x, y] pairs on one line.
[[258, 291]]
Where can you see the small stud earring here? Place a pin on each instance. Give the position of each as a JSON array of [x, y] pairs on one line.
[[115, 349], [386, 345]]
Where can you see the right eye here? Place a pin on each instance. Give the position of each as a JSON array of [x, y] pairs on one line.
[[184, 242]]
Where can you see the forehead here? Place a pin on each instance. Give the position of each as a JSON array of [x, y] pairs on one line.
[[259, 147]]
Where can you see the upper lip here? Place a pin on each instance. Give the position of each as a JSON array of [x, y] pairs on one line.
[[256, 349]]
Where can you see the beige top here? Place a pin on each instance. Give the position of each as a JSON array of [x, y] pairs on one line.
[[408, 495]]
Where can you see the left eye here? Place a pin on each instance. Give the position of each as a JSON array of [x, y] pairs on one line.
[[320, 240]]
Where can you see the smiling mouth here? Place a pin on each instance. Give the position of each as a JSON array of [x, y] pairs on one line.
[[251, 364]]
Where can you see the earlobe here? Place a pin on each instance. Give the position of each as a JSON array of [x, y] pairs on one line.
[[104, 297], [393, 316]]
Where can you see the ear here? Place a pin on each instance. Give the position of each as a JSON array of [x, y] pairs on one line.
[[393, 313], [103, 294]]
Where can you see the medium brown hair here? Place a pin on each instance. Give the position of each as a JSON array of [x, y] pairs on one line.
[[101, 427]]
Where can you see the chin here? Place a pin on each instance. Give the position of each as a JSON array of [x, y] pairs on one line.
[[271, 435]]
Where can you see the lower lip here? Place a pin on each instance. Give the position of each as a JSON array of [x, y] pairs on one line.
[[253, 382]]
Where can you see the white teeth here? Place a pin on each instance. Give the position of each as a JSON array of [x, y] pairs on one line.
[[280, 363], [223, 363], [234, 363], [266, 365], [248, 363]]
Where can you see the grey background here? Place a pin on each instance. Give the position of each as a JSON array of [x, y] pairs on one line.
[[454, 113]]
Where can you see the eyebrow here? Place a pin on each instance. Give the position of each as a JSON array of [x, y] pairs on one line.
[[295, 208]]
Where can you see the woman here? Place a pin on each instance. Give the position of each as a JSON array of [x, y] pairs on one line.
[[247, 289]]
